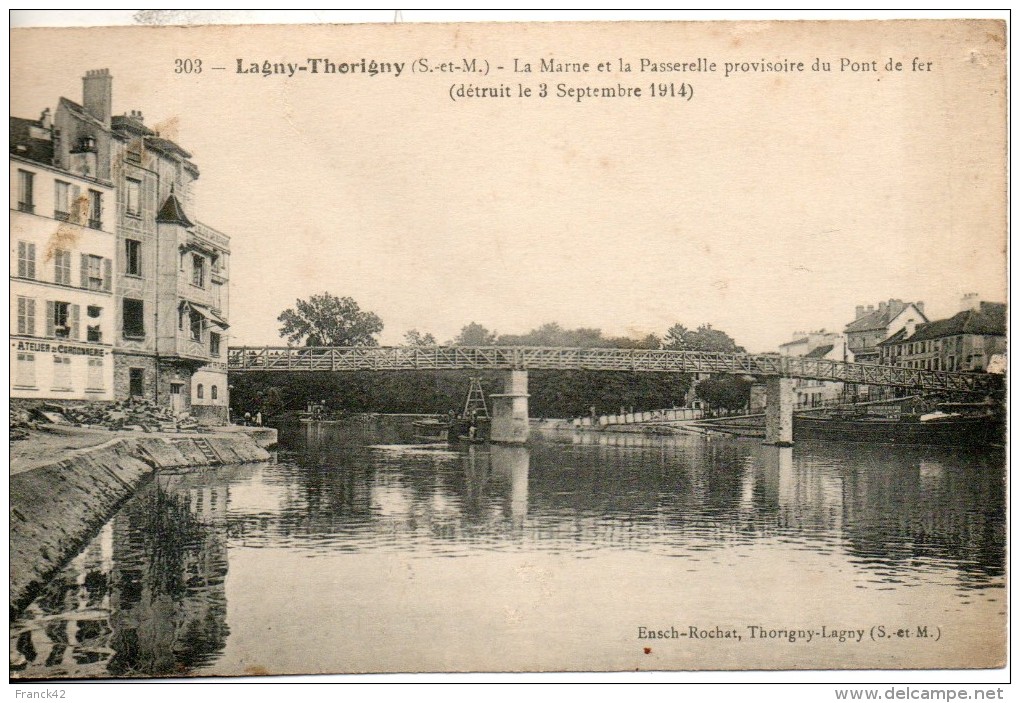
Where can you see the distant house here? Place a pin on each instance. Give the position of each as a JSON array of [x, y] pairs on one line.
[[967, 341], [871, 326], [817, 345]]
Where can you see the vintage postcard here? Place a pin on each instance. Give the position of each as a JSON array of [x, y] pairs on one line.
[[536, 347]]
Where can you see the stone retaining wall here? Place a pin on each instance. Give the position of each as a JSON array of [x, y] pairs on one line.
[[56, 508]]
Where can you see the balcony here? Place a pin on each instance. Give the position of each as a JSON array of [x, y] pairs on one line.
[[26, 207], [191, 348]]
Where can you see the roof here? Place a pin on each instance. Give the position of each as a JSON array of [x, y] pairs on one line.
[[878, 319], [819, 352], [802, 340], [80, 112], [166, 146], [989, 319], [172, 212], [127, 123], [24, 144], [895, 338]]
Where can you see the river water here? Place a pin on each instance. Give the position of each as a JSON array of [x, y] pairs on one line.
[[357, 551]]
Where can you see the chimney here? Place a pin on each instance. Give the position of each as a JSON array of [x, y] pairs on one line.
[[98, 94], [871, 309], [859, 312], [137, 115], [44, 119], [970, 301], [882, 307]]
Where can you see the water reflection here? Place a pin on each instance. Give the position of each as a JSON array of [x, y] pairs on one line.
[[148, 596]]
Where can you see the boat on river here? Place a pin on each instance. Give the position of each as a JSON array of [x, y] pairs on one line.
[[431, 430], [951, 424]]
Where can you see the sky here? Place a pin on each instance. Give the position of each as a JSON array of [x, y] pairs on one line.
[[768, 203]]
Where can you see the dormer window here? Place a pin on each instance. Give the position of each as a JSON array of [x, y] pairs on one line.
[[86, 144]]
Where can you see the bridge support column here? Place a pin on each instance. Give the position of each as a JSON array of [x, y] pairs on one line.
[[779, 411], [510, 410]]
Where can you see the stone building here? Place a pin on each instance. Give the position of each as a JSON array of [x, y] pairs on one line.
[[62, 249], [967, 341], [172, 278], [817, 345], [121, 267], [870, 326]]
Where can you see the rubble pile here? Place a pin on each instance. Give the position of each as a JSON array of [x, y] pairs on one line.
[[21, 423], [134, 414]]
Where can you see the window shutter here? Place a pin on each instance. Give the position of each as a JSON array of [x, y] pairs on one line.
[[51, 312], [75, 309], [122, 260], [22, 259], [30, 317], [84, 270], [75, 206], [31, 260], [107, 275]]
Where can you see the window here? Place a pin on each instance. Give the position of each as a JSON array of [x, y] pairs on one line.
[[200, 391], [196, 325], [93, 271], [94, 333], [134, 197], [198, 270], [215, 392], [94, 311], [214, 345], [61, 373], [94, 380], [26, 197], [133, 152], [133, 257], [24, 371], [62, 267], [95, 209], [134, 318], [64, 320], [65, 202], [26, 260], [136, 382], [26, 316]]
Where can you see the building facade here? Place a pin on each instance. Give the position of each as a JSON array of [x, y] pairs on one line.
[[817, 345], [967, 341], [62, 251], [172, 279], [121, 267], [871, 326]]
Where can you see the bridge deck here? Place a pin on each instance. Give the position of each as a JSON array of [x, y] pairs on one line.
[[305, 359]]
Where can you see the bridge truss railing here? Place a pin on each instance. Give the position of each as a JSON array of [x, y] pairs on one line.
[[245, 359]]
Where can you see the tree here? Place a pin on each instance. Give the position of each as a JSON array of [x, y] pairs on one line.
[[414, 338], [474, 335], [725, 391], [325, 320], [703, 339]]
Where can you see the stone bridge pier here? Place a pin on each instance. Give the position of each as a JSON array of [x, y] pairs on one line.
[[779, 411], [510, 410]]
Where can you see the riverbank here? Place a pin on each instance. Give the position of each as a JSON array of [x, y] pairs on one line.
[[68, 482], [657, 428]]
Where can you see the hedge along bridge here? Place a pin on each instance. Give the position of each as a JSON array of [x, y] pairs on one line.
[[510, 408]]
